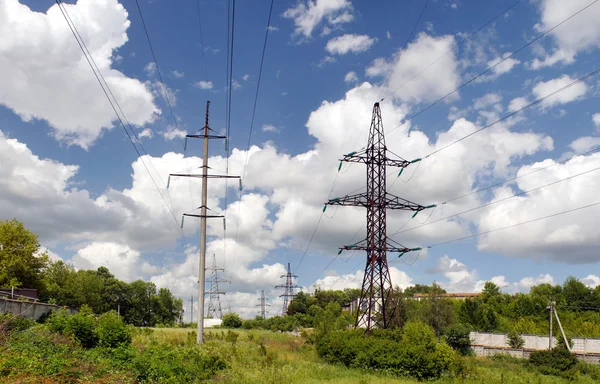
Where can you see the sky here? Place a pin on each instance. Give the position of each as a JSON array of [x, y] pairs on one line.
[[71, 174]]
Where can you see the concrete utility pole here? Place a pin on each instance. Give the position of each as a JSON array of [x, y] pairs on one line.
[[206, 135], [191, 309], [550, 310]]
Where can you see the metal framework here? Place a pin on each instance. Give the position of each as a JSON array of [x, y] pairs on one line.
[[214, 304], [262, 303], [206, 135], [289, 289], [377, 307]]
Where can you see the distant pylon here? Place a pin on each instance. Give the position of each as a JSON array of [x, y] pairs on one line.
[[263, 304], [214, 304], [377, 307], [289, 289]]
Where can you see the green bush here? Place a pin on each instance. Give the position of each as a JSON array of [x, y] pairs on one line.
[[82, 326], [515, 340], [557, 362], [415, 352], [458, 337], [10, 322], [232, 320], [111, 331]]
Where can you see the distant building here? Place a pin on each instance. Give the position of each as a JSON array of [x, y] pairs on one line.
[[454, 296]]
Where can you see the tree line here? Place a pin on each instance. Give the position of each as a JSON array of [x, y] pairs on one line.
[[22, 265]]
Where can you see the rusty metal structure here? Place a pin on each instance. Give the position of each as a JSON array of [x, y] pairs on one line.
[[377, 307], [289, 289]]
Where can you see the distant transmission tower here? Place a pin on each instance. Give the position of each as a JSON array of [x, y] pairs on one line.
[[377, 307], [289, 289], [214, 304], [263, 305]]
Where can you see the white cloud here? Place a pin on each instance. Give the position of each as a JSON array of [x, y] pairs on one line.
[[354, 280], [344, 44], [573, 93], [146, 133], [388, 35], [517, 104], [65, 83], [270, 128], [570, 238], [173, 133], [596, 120], [487, 100], [427, 86], [150, 69], [204, 84], [591, 281], [502, 65], [178, 75], [579, 34], [526, 283], [163, 91], [584, 144], [326, 60], [351, 77], [308, 16], [273, 28], [454, 6], [236, 84], [245, 77]]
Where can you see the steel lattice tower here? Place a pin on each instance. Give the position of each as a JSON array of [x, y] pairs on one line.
[[377, 307], [263, 305], [289, 289], [214, 304]]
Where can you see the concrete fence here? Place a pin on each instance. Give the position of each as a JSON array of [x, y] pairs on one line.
[[31, 309], [533, 342]]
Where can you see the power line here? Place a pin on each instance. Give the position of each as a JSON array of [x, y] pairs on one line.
[[262, 59], [201, 40], [501, 200], [405, 45], [456, 45], [107, 91], [162, 83], [492, 67], [514, 225]]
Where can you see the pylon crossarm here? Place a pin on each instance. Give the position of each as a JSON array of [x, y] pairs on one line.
[[201, 176], [395, 202], [207, 136], [363, 156]]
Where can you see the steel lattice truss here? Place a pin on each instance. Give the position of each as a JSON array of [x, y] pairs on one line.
[[377, 307], [214, 303], [289, 289]]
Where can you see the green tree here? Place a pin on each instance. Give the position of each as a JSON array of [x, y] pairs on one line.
[[21, 263], [437, 311], [232, 320], [515, 340], [576, 294]]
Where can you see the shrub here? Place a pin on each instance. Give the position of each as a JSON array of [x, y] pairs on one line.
[[458, 337], [557, 361], [82, 327], [231, 336], [111, 331], [232, 320], [515, 340], [9, 322]]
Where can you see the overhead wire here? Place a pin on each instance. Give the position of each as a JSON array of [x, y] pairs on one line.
[[491, 67], [116, 107], [202, 40], [262, 60]]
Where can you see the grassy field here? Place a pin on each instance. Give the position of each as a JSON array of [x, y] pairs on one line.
[[169, 355], [268, 357]]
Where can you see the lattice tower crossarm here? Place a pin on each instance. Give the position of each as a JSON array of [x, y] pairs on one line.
[[377, 307]]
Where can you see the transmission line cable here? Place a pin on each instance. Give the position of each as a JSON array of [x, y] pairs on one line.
[[454, 46], [514, 225], [262, 59], [116, 107], [201, 40], [490, 68], [500, 201], [410, 36]]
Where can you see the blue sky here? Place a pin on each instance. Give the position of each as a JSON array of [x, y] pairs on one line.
[[70, 173]]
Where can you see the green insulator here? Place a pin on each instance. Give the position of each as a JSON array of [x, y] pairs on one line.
[[240, 184], [224, 225], [340, 167], [415, 214], [324, 207], [351, 153], [335, 199], [416, 249], [185, 144], [168, 181], [401, 254], [415, 160], [401, 170], [340, 251], [431, 206], [182, 217]]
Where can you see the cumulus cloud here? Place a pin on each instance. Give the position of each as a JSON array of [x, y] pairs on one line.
[[517, 104], [310, 14], [270, 128], [65, 83], [344, 44], [573, 93], [427, 86], [204, 84], [173, 133], [146, 133], [579, 34], [596, 120], [501, 65], [178, 75], [354, 280]]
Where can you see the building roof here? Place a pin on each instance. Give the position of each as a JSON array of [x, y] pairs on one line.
[[453, 294]]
